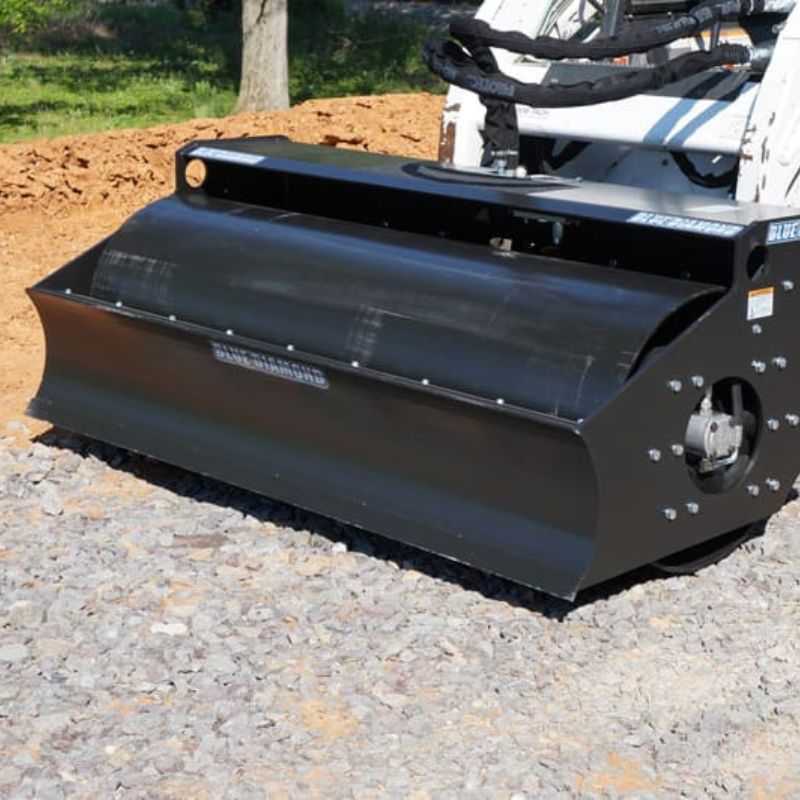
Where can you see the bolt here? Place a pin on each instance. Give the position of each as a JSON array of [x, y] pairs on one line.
[[693, 508], [172, 318], [290, 348], [753, 490], [698, 381], [780, 362], [67, 291], [670, 514], [675, 386], [118, 304], [773, 425], [500, 401], [426, 382], [655, 455], [757, 329], [760, 367], [678, 450], [788, 286], [793, 420], [355, 364], [229, 332], [773, 485]]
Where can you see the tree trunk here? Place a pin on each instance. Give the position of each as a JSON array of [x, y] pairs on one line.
[[265, 61]]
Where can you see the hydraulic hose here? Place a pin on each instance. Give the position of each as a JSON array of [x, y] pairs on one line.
[[458, 67], [466, 60], [637, 39]]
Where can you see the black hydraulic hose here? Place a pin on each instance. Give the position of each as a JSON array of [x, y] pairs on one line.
[[638, 39], [709, 181], [456, 66]]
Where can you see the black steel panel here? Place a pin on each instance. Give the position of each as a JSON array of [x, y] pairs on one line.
[[471, 483], [552, 336], [635, 491], [280, 166]]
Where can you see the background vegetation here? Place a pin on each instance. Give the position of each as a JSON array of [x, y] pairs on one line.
[[70, 67]]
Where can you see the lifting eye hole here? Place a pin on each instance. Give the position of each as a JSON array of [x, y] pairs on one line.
[[196, 173], [758, 263]]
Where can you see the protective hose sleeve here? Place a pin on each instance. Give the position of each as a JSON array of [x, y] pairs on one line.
[[638, 39], [450, 62]]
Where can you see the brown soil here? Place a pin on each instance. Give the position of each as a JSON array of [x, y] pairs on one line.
[[59, 197]]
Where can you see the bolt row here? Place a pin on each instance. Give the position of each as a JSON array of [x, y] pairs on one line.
[[693, 508], [655, 455], [780, 363], [676, 386]]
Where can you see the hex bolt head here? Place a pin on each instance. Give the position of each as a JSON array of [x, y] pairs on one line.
[[355, 364], [426, 382], [698, 381], [67, 291], [501, 401], [290, 348], [759, 366], [118, 304], [757, 329], [229, 332], [793, 420], [675, 386], [173, 318], [670, 514], [654, 455], [693, 508], [774, 425], [788, 286], [753, 490], [779, 362], [678, 450], [773, 485]]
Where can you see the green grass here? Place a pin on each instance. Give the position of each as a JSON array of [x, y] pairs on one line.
[[334, 56], [111, 67]]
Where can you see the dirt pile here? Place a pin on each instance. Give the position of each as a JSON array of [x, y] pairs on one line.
[[58, 197], [136, 166]]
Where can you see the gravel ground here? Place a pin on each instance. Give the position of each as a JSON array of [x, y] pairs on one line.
[[162, 635]]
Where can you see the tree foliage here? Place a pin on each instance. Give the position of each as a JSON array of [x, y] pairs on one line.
[[21, 16]]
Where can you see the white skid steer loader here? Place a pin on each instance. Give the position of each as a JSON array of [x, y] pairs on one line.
[[731, 133]]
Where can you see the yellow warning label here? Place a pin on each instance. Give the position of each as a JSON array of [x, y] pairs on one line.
[[761, 303]]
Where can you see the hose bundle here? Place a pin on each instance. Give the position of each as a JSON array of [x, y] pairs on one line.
[[637, 39], [461, 68], [466, 60]]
